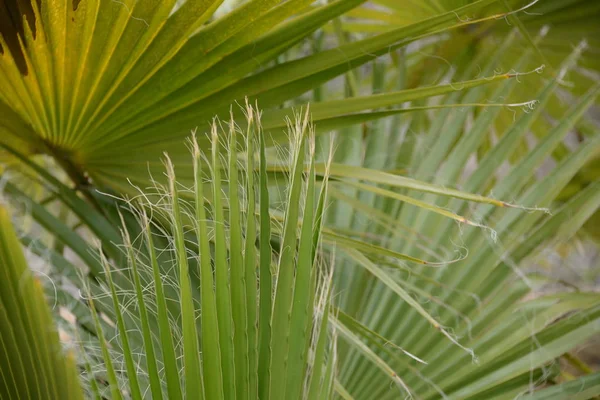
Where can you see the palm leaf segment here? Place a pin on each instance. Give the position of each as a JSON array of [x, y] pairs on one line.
[[32, 362], [106, 87], [551, 29], [475, 303], [486, 274]]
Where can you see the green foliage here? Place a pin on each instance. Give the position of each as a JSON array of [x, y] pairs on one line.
[[151, 304], [32, 363], [396, 258], [204, 342], [106, 87]]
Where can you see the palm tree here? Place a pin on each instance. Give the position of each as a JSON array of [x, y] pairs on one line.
[[276, 261]]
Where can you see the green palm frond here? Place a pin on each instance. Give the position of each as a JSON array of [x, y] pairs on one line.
[[106, 87], [224, 291], [449, 312], [32, 362], [456, 163], [549, 30], [479, 298]]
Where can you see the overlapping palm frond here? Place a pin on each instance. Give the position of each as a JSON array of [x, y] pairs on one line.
[[457, 310], [550, 29], [479, 299], [105, 87], [446, 183], [32, 363], [168, 311]]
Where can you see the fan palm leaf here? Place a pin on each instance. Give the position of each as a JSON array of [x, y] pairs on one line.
[[106, 87], [440, 207]]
